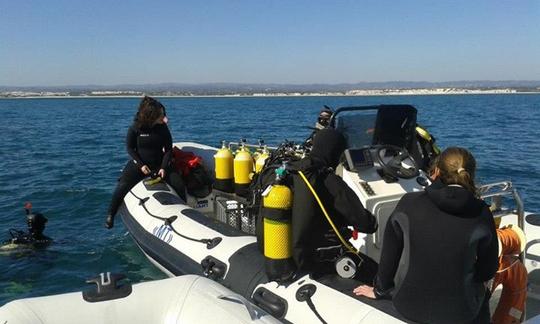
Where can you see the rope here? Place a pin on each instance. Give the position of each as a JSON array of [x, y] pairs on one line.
[[314, 310], [168, 221], [510, 266]]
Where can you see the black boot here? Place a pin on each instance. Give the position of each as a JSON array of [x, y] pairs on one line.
[[109, 223]]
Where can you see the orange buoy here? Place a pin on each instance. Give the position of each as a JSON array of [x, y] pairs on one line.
[[511, 240], [512, 275]]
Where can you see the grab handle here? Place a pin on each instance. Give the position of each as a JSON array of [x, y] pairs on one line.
[[270, 302]]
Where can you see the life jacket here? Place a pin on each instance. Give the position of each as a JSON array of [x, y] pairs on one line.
[[512, 275]]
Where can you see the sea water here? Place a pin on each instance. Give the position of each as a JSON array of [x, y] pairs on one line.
[[65, 155]]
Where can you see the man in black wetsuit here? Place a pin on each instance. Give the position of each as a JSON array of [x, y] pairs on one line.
[[34, 237], [322, 122], [309, 225], [149, 143]]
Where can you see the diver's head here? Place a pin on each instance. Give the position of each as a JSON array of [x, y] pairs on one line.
[[328, 145], [324, 117], [36, 223]]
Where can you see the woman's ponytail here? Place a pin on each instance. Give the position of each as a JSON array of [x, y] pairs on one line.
[[457, 166]]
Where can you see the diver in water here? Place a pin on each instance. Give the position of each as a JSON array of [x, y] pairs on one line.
[[34, 236]]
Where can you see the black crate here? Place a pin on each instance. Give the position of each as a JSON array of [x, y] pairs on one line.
[[236, 214]]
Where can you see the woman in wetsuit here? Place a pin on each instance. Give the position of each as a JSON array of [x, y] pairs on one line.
[[149, 143], [445, 238]]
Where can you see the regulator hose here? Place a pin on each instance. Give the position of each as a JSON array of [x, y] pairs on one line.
[[314, 193]]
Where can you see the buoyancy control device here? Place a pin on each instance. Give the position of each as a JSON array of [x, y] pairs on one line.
[[224, 169], [276, 214]]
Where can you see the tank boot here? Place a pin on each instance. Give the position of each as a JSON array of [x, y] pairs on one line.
[[109, 222]]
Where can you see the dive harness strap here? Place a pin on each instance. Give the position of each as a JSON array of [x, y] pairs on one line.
[[342, 240], [210, 243]]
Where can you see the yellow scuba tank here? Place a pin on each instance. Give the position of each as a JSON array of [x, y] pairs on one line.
[[257, 153], [261, 159], [276, 213], [223, 160], [243, 168]]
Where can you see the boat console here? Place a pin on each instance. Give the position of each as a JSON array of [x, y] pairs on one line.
[[378, 164], [379, 186]]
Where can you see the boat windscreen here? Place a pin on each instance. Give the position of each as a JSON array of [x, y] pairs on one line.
[[358, 127]]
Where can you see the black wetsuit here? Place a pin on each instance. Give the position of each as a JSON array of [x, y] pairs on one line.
[[448, 245], [26, 238], [309, 225], [151, 147]]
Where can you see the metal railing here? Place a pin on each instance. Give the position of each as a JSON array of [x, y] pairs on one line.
[[496, 192]]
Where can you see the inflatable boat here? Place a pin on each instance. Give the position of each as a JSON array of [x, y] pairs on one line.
[[214, 236], [185, 299]]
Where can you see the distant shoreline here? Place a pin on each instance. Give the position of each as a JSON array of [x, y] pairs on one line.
[[276, 95]]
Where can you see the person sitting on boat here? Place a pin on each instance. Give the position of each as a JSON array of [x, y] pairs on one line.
[[149, 143], [323, 121], [34, 236], [309, 225], [446, 239]]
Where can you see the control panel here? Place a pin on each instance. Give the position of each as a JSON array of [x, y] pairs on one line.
[[358, 159], [378, 196], [367, 188]]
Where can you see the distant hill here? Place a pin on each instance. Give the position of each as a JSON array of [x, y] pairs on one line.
[[247, 88]]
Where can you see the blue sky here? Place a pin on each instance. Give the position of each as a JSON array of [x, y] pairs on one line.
[[112, 42]]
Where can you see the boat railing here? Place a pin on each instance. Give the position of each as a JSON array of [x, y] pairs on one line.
[[494, 193], [236, 145]]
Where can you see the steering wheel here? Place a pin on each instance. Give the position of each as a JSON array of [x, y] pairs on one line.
[[394, 167]]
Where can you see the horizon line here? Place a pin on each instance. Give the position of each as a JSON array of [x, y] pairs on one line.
[[260, 83]]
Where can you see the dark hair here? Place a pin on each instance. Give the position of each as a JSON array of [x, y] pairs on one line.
[[457, 166], [149, 111]]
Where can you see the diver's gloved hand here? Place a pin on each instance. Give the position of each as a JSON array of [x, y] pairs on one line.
[[109, 222]]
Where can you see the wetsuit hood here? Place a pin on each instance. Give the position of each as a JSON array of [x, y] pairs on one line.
[[328, 145], [453, 199]]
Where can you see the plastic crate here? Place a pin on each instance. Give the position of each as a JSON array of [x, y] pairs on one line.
[[236, 214]]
